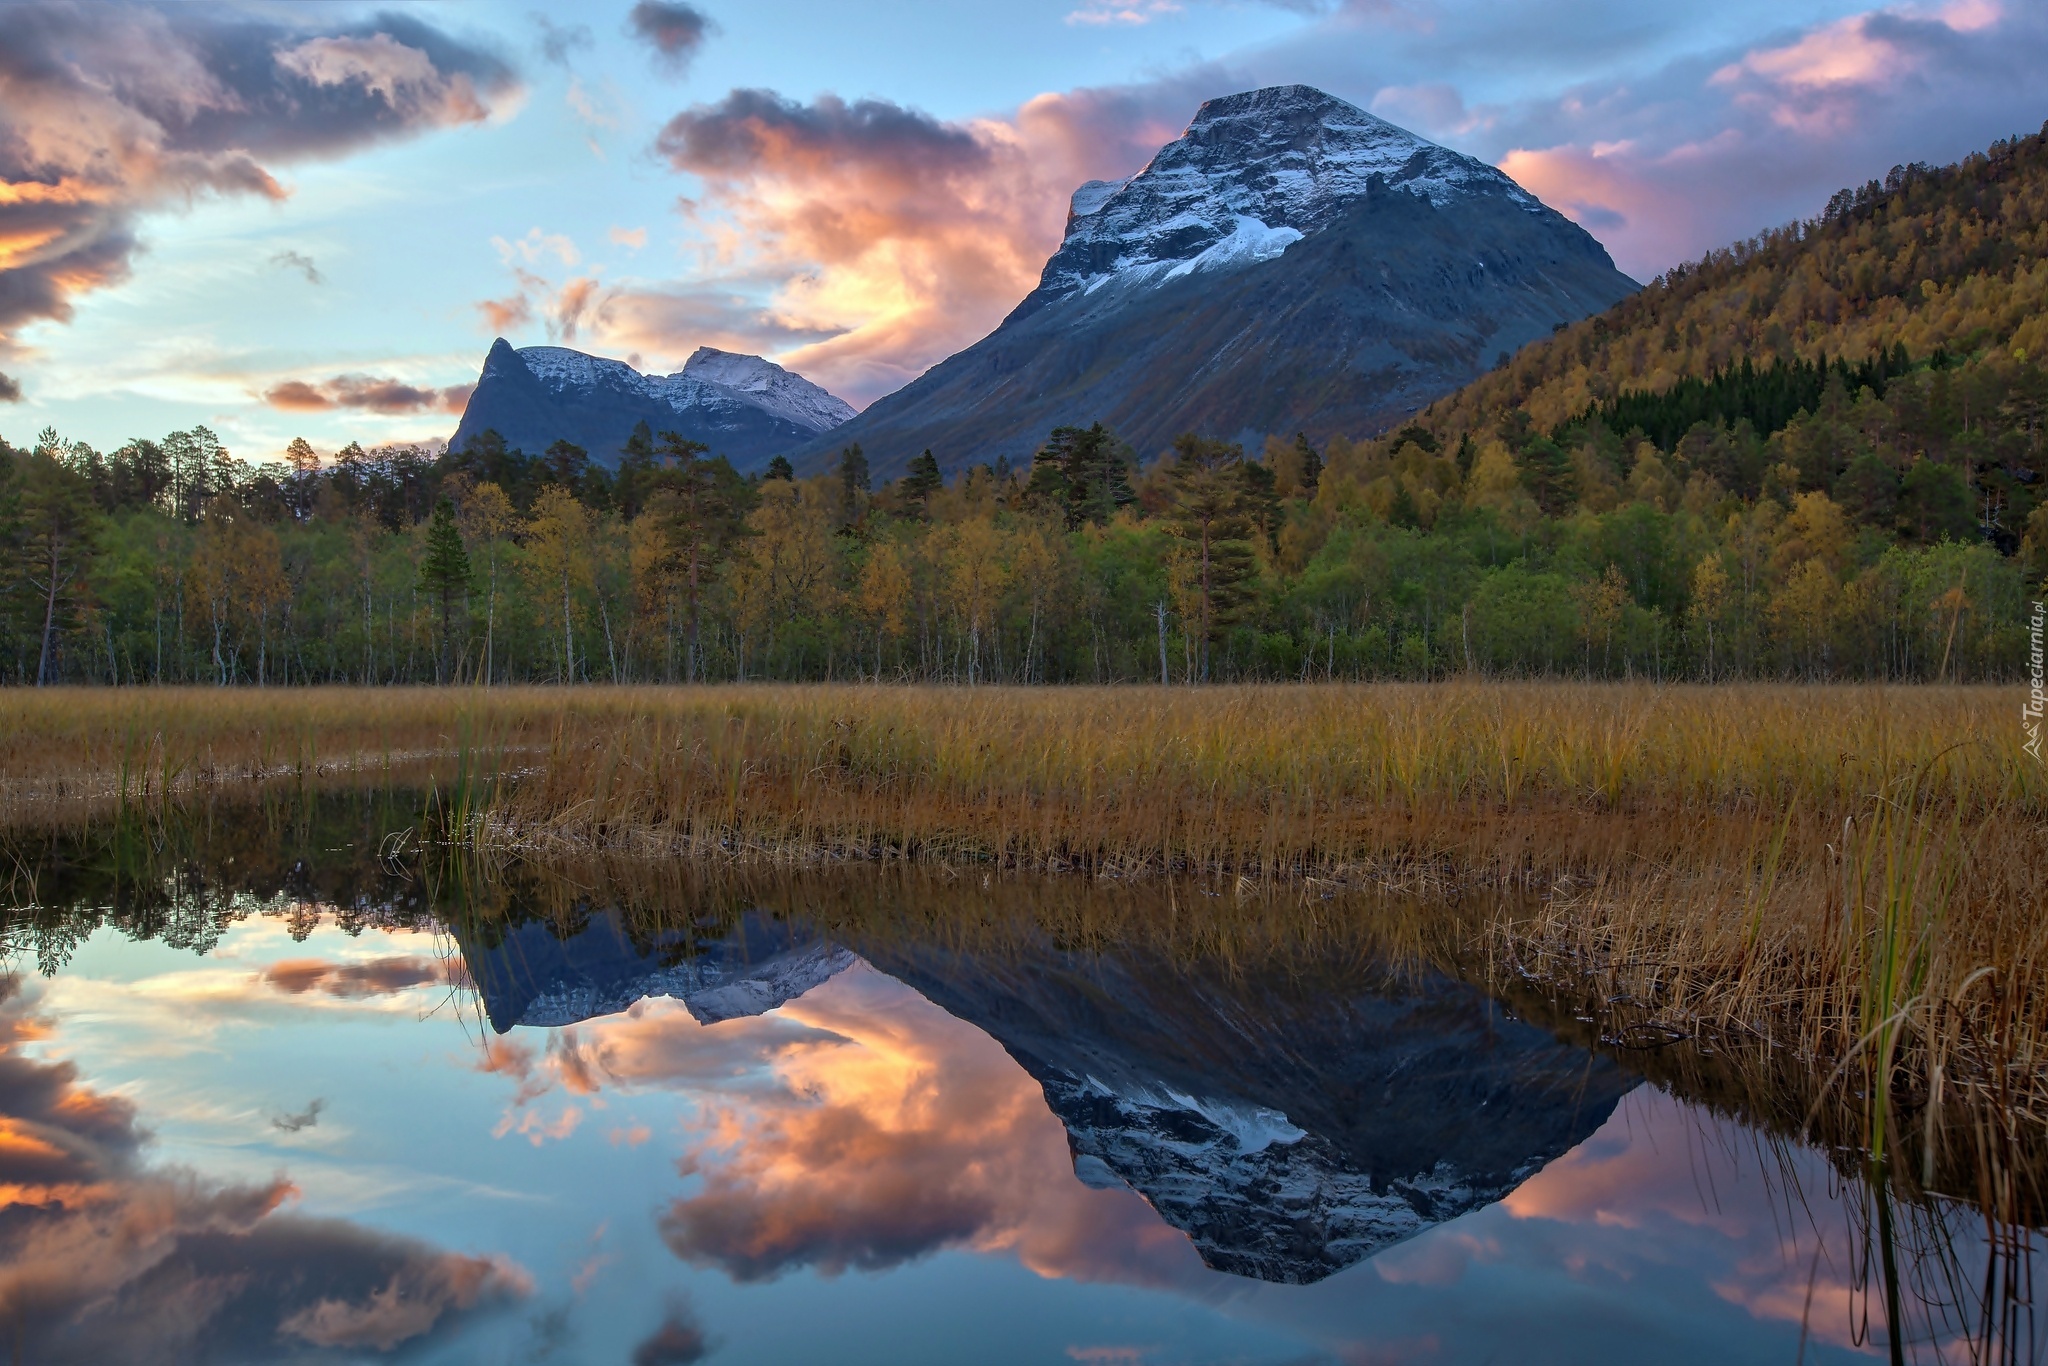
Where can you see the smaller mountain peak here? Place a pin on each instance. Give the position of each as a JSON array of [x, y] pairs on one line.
[[729, 367]]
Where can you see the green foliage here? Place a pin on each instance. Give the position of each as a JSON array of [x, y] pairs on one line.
[[1081, 473], [920, 482], [445, 576], [1767, 399]]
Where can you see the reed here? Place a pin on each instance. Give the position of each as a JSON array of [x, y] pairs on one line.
[[1855, 874], [1542, 777]]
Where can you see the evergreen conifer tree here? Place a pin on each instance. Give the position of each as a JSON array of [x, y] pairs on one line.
[[445, 574], [1308, 464], [854, 482], [922, 481], [1213, 511]]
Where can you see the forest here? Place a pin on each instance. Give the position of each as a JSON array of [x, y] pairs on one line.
[[1806, 553], [1814, 455]]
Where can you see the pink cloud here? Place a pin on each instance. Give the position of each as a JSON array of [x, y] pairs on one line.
[[895, 238], [1665, 167]]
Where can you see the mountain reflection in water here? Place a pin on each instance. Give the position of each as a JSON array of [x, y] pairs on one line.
[[1290, 1125], [292, 1102]]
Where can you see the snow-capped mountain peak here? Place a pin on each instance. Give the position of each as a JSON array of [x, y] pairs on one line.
[[769, 385], [742, 407], [708, 374], [1254, 173]]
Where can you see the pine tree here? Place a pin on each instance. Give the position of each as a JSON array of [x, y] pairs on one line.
[[636, 462], [1308, 463], [780, 468], [1099, 477], [698, 507], [922, 481], [854, 482], [1213, 510], [445, 574]]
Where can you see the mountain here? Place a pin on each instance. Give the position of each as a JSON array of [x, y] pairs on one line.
[[1290, 263], [743, 407], [1291, 1120], [531, 976], [1948, 264]]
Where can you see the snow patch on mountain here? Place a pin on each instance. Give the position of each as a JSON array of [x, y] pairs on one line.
[[1253, 174], [708, 379], [1257, 1195], [711, 988], [770, 387]]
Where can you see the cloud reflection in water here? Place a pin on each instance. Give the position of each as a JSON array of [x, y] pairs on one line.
[[107, 1258]]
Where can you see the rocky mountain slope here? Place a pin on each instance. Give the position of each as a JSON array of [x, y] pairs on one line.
[[1290, 1122], [1290, 263], [743, 407]]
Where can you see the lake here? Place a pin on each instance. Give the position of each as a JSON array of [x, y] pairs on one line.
[[280, 1086]]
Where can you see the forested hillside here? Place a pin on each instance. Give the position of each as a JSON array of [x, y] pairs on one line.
[[1815, 455]]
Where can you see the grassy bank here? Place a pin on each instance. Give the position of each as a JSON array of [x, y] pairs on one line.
[[1854, 874], [1264, 779]]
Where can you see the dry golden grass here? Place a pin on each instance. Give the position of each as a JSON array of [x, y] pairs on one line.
[[1855, 874], [1541, 779]]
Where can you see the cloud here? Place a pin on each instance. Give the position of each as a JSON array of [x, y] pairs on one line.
[[1131, 12], [635, 317], [675, 31], [896, 237], [367, 393], [505, 315], [375, 977], [634, 238], [558, 41], [862, 1127], [537, 246], [1665, 165], [113, 111], [10, 389], [307, 1118], [110, 1259], [678, 1341], [572, 304], [292, 260]]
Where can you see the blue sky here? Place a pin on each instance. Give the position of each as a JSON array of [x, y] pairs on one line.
[[311, 220]]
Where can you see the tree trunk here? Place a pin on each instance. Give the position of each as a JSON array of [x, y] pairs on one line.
[[1159, 610], [568, 637], [690, 669], [49, 618]]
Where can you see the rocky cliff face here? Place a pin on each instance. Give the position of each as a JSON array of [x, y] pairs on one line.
[[743, 407], [1290, 263]]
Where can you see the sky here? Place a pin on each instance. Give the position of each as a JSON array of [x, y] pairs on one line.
[[286, 220]]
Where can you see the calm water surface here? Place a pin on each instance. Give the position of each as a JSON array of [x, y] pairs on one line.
[[267, 1117]]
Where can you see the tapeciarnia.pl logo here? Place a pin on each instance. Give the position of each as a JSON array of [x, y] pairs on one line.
[[2037, 695]]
